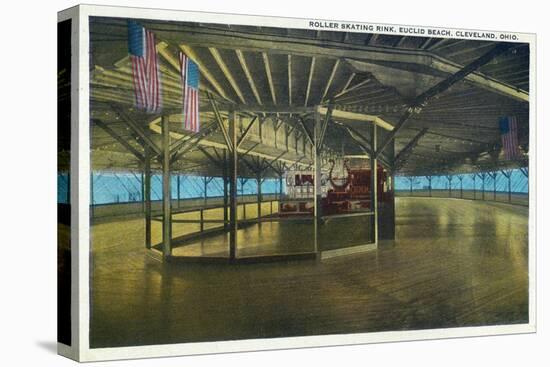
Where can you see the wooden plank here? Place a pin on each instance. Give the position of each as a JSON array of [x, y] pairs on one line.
[[233, 188], [247, 131], [442, 86], [166, 192], [137, 129], [147, 196], [248, 75], [219, 60], [330, 79], [269, 77], [205, 71], [354, 116], [309, 79], [118, 138], [219, 120], [289, 65], [331, 49]]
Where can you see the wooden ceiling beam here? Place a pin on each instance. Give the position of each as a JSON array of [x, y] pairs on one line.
[[351, 89], [348, 82], [246, 131], [248, 75], [139, 155], [289, 64], [308, 88], [205, 71], [353, 116], [401, 41], [440, 87], [401, 157], [330, 79], [333, 49], [226, 72], [269, 77]]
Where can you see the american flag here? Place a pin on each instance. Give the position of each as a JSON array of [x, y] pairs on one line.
[[509, 133], [190, 89], [145, 68]]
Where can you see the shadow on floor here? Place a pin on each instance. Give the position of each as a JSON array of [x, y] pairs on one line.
[[47, 345]]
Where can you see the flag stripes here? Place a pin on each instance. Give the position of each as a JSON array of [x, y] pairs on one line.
[[509, 134], [145, 68], [190, 91]]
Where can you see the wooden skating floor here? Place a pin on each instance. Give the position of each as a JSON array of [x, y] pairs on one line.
[[454, 263]]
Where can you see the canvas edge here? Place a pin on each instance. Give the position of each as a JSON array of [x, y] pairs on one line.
[[71, 14], [80, 162]]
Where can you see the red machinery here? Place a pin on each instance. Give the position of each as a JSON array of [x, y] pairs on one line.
[[354, 193], [300, 193]]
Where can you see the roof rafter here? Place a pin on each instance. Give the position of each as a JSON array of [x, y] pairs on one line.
[[330, 79], [269, 77], [248, 75], [205, 71], [311, 70], [223, 66], [440, 87]]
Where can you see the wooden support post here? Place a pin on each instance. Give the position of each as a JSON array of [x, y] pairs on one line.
[[233, 186], [202, 219], [147, 196], [317, 179], [178, 182], [429, 185], [166, 195], [205, 190], [280, 187], [475, 186], [450, 178], [508, 175], [482, 186], [460, 177], [374, 174], [225, 191], [259, 195], [142, 189], [510, 187], [494, 175]]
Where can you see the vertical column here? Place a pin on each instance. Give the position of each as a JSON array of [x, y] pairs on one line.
[[483, 186], [259, 195], [178, 182], [147, 196], [509, 176], [374, 174], [280, 187], [142, 188], [494, 186], [205, 190], [166, 196], [233, 186], [225, 191], [475, 186], [317, 210]]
